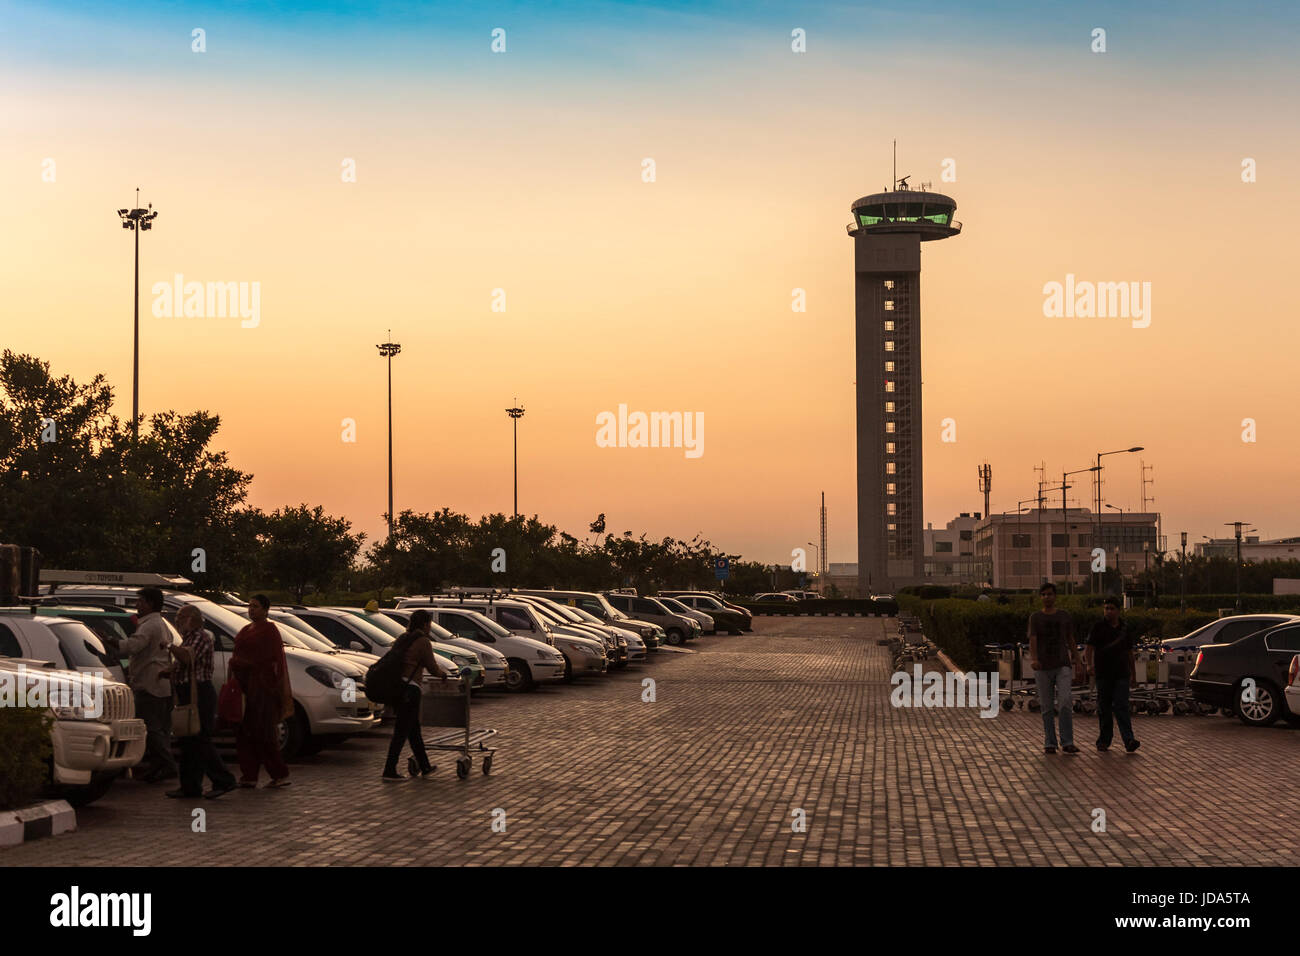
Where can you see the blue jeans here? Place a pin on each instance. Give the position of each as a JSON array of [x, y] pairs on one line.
[[1112, 700], [1055, 697]]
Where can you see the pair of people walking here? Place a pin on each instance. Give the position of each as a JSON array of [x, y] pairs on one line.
[[1054, 656]]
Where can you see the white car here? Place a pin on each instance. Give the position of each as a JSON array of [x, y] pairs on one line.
[[565, 623], [581, 654], [529, 662], [493, 662], [90, 746], [351, 627], [59, 641], [329, 701]]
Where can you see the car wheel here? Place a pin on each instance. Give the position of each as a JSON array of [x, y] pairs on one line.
[[291, 734], [1261, 711], [675, 637], [518, 676], [80, 796]]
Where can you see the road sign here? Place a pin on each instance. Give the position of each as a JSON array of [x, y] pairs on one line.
[[722, 568]]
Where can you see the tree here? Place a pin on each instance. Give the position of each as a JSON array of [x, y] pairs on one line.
[[304, 548]]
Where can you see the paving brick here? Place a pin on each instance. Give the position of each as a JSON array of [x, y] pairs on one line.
[[745, 730]]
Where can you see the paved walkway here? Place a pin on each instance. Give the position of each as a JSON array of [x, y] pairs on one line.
[[744, 732]]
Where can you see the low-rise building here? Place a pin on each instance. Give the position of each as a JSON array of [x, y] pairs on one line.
[[1027, 548]]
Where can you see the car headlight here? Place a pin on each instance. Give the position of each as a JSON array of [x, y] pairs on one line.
[[326, 675], [544, 655], [73, 712], [622, 642]]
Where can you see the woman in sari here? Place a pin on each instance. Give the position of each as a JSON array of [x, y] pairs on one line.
[[258, 665]]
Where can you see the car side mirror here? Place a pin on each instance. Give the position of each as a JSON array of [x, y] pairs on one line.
[[356, 646]]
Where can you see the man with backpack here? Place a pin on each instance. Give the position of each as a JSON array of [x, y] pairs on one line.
[[395, 680]]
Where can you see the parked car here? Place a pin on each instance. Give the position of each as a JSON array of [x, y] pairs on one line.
[[326, 708], [1249, 674], [1179, 653], [298, 633], [564, 621], [89, 750], [493, 663], [598, 607], [732, 620], [745, 612], [772, 597], [677, 628], [529, 662], [351, 627], [707, 624], [582, 655], [57, 640]]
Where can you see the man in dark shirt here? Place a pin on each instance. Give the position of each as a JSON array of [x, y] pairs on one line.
[[1051, 652], [1110, 659]]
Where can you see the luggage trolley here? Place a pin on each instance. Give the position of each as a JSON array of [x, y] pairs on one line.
[[446, 704]]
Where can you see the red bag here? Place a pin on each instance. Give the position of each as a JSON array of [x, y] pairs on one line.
[[230, 702]]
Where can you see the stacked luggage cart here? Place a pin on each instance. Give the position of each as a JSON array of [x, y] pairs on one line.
[[911, 644], [1154, 694]]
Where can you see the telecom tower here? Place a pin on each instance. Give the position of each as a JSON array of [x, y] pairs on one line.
[[888, 229]]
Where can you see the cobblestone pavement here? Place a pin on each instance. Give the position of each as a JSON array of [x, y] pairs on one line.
[[745, 730]]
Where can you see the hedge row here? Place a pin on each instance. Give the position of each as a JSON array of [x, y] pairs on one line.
[[962, 628], [821, 606], [23, 758]]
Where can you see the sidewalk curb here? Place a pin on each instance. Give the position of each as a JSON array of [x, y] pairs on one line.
[[39, 820]]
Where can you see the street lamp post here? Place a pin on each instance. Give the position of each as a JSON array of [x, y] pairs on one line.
[[1098, 479], [1182, 569], [388, 350], [137, 220], [515, 414], [1065, 519], [1236, 526], [817, 562], [1118, 548]]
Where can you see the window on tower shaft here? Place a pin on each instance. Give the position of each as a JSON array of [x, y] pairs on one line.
[[889, 366], [889, 428], [889, 283], [889, 406], [890, 468], [889, 345], [889, 325], [889, 448], [889, 386], [889, 305]]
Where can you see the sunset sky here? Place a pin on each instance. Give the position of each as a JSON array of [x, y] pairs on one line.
[[522, 171]]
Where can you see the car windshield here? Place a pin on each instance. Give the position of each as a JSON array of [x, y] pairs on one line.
[[489, 625], [81, 646], [546, 613], [305, 630], [673, 605], [383, 622], [586, 617], [220, 617], [711, 603], [375, 634]]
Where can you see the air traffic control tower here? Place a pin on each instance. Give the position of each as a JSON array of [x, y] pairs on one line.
[[888, 229]]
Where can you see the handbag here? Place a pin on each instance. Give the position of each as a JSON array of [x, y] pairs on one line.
[[185, 717], [230, 702]]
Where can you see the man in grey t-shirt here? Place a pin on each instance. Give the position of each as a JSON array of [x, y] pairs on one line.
[[1051, 652]]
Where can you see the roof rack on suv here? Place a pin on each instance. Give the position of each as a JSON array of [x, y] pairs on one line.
[[138, 579]]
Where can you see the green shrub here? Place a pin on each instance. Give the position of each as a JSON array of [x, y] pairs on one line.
[[24, 752]]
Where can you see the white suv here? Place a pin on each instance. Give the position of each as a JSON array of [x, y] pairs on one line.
[[90, 749], [59, 641]]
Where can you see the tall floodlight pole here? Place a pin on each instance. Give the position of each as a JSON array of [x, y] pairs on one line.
[[388, 350], [137, 220], [515, 414]]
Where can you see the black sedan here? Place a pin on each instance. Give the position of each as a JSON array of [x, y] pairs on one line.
[[1249, 674]]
